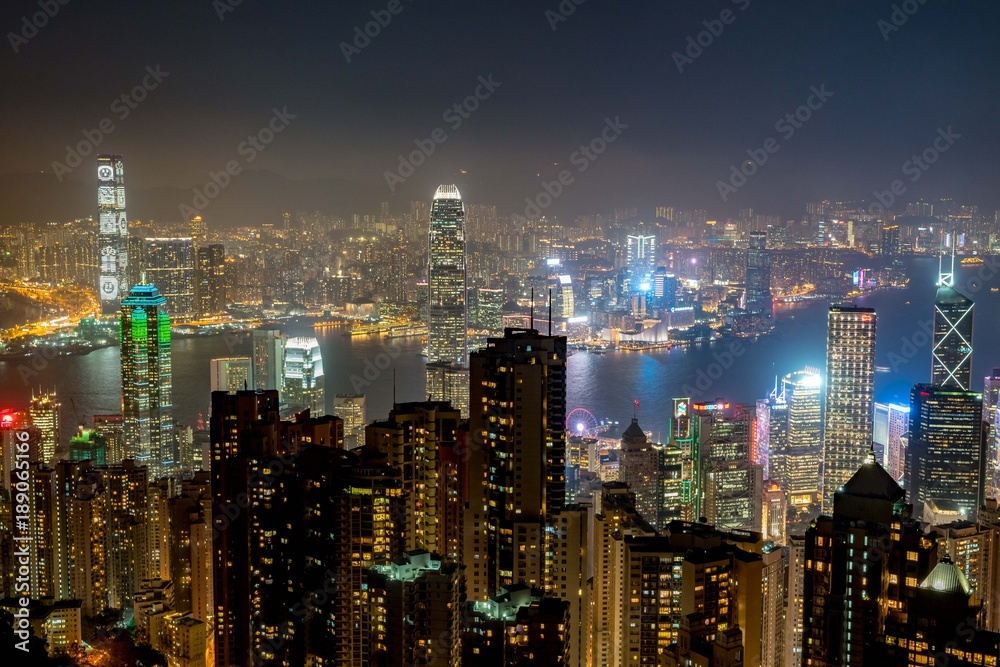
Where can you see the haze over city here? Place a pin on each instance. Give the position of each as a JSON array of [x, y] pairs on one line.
[[536, 334]]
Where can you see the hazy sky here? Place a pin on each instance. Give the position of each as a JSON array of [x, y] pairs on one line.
[[892, 91]]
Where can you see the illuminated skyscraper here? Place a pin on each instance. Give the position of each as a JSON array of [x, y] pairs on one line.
[[446, 318], [517, 478], [889, 245], [731, 484], [771, 436], [44, 411], [351, 409], [638, 466], [892, 424], [564, 297], [991, 397], [861, 564], [210, 279], [758, 301], [170, 267], [641, 257], [850, 388], [112, 238], [945, 458], [147, 405], [450, 383], [951, 354], [231, 374], [268, 359], [804, 453], [199, 230], [304, 382], [491, 311], [244, 433]]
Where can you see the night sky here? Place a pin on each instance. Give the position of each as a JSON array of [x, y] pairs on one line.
[[892, 91]]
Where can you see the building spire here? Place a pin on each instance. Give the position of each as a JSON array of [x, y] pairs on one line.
[[947, 279]]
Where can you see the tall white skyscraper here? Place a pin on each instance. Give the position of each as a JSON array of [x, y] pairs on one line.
[[848, 412], [641, 255], [304, 382], [112, 233], [446, 317]]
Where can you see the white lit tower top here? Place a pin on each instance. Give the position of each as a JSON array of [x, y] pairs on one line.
[[951, 355], [112, 235], [447, 315]]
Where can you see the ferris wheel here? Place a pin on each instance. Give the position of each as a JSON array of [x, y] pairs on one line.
[[581, 422]]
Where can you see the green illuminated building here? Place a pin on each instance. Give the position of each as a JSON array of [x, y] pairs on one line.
[[146, 380], [89, 445]]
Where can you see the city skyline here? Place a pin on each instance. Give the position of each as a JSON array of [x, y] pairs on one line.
[[459, 335]]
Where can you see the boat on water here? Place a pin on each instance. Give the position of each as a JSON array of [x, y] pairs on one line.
[[967, 261]]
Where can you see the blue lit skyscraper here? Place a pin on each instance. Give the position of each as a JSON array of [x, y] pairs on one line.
[[758, 301], [147, 405], [641, 256]]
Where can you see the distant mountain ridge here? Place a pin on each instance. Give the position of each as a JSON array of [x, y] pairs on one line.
[[251, 198]]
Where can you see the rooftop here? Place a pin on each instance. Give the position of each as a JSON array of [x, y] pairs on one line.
[[872, 481], [947, 578], [447, 192]]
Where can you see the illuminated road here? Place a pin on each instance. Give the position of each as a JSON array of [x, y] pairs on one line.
[[73, 303]]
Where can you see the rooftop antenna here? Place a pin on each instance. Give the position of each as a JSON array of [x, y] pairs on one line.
[[393, 386], [550, 311], [635, 410], [532, 307]]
